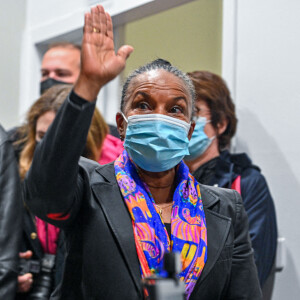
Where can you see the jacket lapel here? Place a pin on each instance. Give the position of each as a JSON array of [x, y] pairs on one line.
[[218, 227], [109, 197]]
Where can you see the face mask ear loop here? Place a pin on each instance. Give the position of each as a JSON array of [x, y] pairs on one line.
[[126, 120], [213, 137]]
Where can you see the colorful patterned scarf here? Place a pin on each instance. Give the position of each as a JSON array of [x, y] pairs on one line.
[[188, 225]]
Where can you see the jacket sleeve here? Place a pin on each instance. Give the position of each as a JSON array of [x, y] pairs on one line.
[[54, 186], [244, 281], [10, 219], [262, 221]]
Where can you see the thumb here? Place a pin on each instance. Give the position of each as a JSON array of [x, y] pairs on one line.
[[125, 51]]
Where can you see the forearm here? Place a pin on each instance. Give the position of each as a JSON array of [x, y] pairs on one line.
[[52, 184]]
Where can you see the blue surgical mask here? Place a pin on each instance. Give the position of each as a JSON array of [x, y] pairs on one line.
[[156, 142], [199, 141]]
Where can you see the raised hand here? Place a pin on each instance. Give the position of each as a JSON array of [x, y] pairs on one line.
[[99, 62]]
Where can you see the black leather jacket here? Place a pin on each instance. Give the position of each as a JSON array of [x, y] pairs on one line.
[[10, 219]]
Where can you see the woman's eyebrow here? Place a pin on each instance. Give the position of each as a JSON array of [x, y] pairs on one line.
[[140, 93], [180, 98]]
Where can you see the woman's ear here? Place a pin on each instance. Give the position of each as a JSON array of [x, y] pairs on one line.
[[121, 125], [192, 127], [222, 126]]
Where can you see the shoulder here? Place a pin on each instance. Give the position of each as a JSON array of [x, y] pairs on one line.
[[253, 183], [88, 164], [95, 172], [226, 202], [242, 162], [209, 192], [251, 175]]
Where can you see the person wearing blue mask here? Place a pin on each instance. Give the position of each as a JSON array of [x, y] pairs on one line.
[[211, 163], [119, 219]]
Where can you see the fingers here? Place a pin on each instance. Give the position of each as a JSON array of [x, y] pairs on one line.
[[109, 24], [125, 51], [95, 19], [102, 19], [88, 27], [98, 19], [26, 254], [24, 283]]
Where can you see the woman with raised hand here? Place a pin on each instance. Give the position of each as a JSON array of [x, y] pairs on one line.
[[121, 218]]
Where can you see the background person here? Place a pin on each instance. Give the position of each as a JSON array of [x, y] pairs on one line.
[[211, 163], [40, 237], [61, 64], [115, 215], [10, 218]]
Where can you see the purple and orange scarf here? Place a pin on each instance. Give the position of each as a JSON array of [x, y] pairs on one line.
[[188, 225]]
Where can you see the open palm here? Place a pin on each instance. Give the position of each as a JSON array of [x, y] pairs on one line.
[[99, 62]]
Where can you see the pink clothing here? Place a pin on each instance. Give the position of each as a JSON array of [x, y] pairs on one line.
[[236, 185], [112, 147], [48, 235]]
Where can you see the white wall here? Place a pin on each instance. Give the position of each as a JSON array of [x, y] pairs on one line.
[[262, 66], [12, 16]]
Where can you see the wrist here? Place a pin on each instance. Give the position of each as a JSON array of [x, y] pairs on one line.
[[87, 88]]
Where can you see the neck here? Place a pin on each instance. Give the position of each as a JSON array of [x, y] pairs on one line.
[[211, 152], [161, 184]]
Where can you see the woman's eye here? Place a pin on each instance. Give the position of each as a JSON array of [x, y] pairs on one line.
[[176, 110], [143, 105]]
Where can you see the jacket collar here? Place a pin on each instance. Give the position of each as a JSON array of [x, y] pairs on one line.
[[209, 198], [108, 172], [120, 222]]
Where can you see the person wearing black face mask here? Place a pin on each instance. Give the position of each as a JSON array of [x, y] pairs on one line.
[[60, 65], [48, 83]]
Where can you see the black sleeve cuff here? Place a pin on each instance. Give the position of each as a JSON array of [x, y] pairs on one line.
[[75, 99]]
